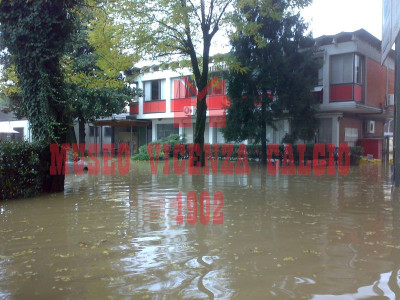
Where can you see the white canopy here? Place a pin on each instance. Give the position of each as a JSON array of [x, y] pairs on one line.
[[8, 130]]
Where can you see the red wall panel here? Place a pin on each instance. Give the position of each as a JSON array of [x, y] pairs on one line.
[[358, 94], [217, 102], [373, 147], [179, 105], [134, 109], [343, 92], [391, 82], [376, 84], [154, 107]]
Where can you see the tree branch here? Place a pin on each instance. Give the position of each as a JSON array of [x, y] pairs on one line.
[[210, 13], [195, 10], [216, 26]]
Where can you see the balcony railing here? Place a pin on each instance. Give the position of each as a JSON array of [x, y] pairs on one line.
[[154, 107], [346, 92], [134, 108]]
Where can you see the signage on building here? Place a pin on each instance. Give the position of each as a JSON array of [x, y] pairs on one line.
[[395, 20], [390, 25]]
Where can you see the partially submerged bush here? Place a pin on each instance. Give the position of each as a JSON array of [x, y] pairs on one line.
[[171, 140], [21, 171], [355, 154], [253, 151]]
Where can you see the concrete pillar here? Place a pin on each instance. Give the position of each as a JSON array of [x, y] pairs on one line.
[[335, 130], [211, 135], [154, 131], [131, 143], [167, 94], [181, 129]]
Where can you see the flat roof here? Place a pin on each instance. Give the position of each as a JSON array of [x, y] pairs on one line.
[[122, 123]]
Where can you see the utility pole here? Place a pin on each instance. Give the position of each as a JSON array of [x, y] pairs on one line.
[[397, 115]]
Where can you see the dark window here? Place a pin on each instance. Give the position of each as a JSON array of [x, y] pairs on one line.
[[165, 130], [91, 130], [358, 69], [20, 135], [107, 131], [182, 88], [321, 76], [154, 90]]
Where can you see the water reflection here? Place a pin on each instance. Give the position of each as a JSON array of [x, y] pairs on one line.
[[283, 236]]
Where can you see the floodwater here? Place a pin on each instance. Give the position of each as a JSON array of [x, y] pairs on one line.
[[113, 237]]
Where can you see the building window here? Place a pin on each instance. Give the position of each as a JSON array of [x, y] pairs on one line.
[[218, 88], [154, 90], [93, 130], [371, 126], [347, 68], [358, 69], [165, 130], [351, 136], [182, 88], [321, 77], [20, 135], [107, 131], [342, 68], [325, 131]]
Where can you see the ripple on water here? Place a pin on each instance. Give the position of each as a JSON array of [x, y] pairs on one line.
[[283, 236]]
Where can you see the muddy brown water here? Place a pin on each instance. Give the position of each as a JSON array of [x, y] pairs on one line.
[[113, 237]]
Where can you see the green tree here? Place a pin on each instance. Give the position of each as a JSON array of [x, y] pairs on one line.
[[276, 70], [166, 30], [170, 30], [35, 33], [94, 92], [96, 86]]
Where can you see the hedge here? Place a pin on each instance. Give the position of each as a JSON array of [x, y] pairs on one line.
[[21, 171], [253, 152], [171, 140]]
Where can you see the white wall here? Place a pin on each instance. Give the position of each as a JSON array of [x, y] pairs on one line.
[[276, 136]]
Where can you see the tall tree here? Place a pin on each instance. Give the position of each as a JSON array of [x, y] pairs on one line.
[[36, 33], [165, 30], [96, 89], [174, 29], [276, 70], [96, 86]]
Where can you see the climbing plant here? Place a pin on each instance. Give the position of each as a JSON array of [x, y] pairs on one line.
[[35, 33]]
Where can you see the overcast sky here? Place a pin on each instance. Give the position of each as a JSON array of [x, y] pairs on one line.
[[333, 16], [326, 17]]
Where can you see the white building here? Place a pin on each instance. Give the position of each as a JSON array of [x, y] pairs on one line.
[[355, 94]]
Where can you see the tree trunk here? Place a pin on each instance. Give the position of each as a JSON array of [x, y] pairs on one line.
[[82, 133], [51, 183], [59, 108], [202, 82], [263, 129], [201, 117]]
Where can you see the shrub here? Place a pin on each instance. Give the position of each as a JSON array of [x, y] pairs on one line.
[[253, 151], [172, 140], [21, 171], [144, 155], [355, 155]]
